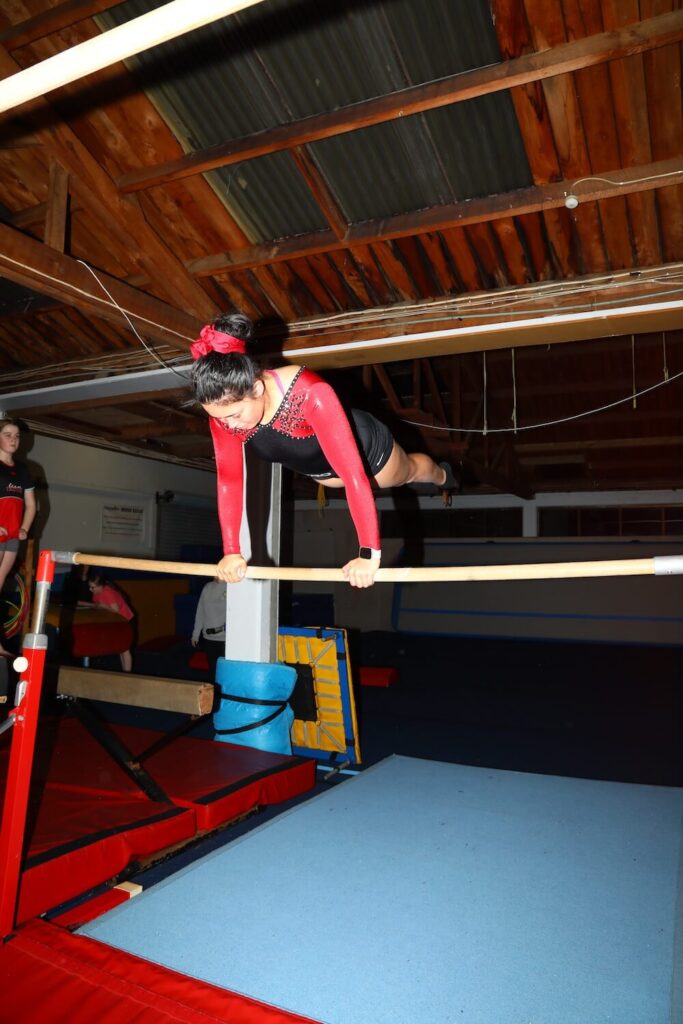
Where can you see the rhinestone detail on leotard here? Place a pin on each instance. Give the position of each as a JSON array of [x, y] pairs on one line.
[[289, 416], [287, 419]]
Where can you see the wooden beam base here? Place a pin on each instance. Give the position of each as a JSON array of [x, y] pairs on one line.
[[180, 695]]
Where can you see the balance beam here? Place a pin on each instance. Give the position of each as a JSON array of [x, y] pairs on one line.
[[659, 565], [183, 696]]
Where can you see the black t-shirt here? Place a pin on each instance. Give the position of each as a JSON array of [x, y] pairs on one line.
[[14, 482]]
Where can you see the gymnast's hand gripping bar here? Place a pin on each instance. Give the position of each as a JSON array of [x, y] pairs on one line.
[[659, 565]]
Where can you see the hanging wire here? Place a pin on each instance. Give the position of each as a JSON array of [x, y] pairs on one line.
[[485, 430], [514, 391], [148, 348], [81, 291], [550, 423], [665, 368]]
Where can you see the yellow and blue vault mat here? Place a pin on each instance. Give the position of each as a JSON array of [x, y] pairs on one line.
[[325, 723]]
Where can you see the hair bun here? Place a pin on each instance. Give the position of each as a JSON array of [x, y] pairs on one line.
[[236, 324]]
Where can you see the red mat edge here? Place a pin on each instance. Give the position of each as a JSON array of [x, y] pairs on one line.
[[80, 979]]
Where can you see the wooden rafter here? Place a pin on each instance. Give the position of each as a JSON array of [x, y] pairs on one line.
[[153, 255], [53, 20], [434, 391], [320, 190], [34, 215], [462, 327], [385, 380], [57, 207], [167, 427], [37, 266], [473, 211], [651, 33], [542, 449]]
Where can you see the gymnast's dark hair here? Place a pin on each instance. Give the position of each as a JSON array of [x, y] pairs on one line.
[[227, 377]]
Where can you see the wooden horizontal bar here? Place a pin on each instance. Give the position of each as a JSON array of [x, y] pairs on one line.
[[427, 574], [181, 695]]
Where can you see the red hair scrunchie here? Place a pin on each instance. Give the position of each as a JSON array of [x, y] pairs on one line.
[[211, 340]]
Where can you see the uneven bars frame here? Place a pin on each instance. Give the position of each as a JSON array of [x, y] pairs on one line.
[[658, 565], [24, 716]]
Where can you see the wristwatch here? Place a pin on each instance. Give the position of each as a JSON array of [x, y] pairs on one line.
[[369, 553]]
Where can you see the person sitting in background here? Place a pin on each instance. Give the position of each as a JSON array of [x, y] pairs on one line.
[[108, 596], [209, 623]]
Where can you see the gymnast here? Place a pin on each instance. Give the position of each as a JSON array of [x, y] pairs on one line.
[[291, 416]]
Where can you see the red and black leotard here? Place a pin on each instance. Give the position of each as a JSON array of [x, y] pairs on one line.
[[309, 434]]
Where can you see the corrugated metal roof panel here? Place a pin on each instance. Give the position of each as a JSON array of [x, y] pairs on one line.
[[268, 198], [279, 62], [458, 152]]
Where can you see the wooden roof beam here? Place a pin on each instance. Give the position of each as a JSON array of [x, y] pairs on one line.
[[45, 270], [56, 217], [388, 388], [147, 249], [53, 20], [34, 215], [320, 191], [582, 53], [472, 211], [517, 485]]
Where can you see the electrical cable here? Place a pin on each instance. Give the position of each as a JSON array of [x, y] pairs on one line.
[[148, 348], [548, 423]]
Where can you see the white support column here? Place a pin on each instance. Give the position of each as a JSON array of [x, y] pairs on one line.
[[530, 519], [252, 605]]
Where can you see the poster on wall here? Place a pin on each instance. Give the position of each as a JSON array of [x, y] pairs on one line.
[[123, 522]]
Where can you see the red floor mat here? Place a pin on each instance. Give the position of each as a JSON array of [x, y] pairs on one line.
[[48, 974], [78, 843], [218, 780], [88, 821], [222, 780]]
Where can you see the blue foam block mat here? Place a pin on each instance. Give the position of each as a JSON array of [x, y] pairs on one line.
[[420, 892]]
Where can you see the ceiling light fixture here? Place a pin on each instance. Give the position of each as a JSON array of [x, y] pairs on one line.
[[151, 29], [571, 200], [605, 317]]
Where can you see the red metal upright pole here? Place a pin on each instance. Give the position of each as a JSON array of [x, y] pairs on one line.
[[23, 736]]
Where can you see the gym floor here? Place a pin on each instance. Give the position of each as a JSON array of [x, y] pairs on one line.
[[603, 712], [597, 711], [585, 712]]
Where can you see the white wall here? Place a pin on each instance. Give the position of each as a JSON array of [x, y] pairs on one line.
[[330, 541], [622, 610], [629, 609], [89, 490]]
